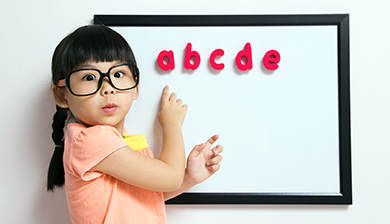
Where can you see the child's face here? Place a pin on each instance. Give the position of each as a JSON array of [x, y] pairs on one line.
[[106, 107]]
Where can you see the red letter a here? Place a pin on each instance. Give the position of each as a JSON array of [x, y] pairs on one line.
[[171, 60], [189, 55], [247, 53]]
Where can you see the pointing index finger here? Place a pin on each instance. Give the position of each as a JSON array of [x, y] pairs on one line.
[[165, 95], [213, 139]]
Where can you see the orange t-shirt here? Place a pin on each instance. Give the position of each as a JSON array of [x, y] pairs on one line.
[[95, 197]]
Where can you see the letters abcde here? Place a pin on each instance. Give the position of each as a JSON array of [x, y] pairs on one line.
[[192, 59]]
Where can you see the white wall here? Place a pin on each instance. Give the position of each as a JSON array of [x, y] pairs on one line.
[[30, 30]]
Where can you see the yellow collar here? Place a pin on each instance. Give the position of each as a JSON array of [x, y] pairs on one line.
[[136, 142]]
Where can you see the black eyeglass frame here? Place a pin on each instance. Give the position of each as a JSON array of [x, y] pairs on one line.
[[66, 82]]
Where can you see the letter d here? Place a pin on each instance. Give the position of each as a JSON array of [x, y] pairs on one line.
[[247, 53]]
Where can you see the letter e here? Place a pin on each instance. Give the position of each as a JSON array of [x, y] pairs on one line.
[[270, 60]]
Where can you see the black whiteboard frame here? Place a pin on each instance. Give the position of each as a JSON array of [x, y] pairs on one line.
[[342, 22]]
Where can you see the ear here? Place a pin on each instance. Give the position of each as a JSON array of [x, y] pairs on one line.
[[135, 95], [59, 97]]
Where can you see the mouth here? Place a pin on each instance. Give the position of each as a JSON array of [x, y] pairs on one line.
[[110, 108]]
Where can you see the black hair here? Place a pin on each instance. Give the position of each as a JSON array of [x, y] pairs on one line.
[[93, 43]]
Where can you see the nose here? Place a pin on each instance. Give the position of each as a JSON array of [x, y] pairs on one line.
[[107, 88], [107, 92]]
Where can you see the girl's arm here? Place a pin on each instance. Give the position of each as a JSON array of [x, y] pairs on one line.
[[163, 174], [202, 163]]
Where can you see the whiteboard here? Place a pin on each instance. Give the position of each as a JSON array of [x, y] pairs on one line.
[[280, 128]]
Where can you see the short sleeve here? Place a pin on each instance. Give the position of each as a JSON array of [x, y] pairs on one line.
[[92, 145]]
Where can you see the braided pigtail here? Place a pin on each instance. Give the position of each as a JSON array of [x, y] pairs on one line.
[[56, 173]]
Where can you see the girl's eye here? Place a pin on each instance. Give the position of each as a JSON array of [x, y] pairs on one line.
[[89, 77], [119, 74]]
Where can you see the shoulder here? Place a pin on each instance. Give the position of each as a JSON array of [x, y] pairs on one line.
[[78, 131], [95, 137], [89, 145]]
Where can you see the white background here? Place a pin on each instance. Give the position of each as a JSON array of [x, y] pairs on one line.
[[30, 30]]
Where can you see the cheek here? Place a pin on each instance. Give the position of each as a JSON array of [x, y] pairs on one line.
[[80, 107], [128, 101]]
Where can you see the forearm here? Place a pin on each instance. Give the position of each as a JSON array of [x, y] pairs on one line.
[[171, 117], [186, 185], [173, 153]]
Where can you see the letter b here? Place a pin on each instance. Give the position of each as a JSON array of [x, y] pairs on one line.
[[188, 56]]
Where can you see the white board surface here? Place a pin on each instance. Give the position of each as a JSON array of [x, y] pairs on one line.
[[279, 128]]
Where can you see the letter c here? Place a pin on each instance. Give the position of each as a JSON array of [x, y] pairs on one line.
[[212, 59]]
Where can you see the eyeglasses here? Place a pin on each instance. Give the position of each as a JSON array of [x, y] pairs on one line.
[[87, 81]]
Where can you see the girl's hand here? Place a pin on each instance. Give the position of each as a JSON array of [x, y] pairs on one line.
[[172, 110], [203, 161]]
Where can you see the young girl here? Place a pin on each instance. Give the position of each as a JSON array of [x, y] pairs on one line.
[[109, 175]]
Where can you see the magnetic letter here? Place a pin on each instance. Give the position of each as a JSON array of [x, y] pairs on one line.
[[189, 55], [212, 59], [270, 60], [171, 60], [247, 53]]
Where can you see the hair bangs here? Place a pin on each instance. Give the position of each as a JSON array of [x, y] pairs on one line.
[[91, 44]]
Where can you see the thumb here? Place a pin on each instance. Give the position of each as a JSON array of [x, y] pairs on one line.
[[198, 149]]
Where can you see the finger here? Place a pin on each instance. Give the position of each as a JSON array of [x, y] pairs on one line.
[[213, 139], [173, 97], [197, 150], [217, 150], [214, 168], [165, 94], [185, 106], [200, 147], [179, 101], [214, 161]]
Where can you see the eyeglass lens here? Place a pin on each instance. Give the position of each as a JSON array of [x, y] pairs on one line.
[[86, 81]]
